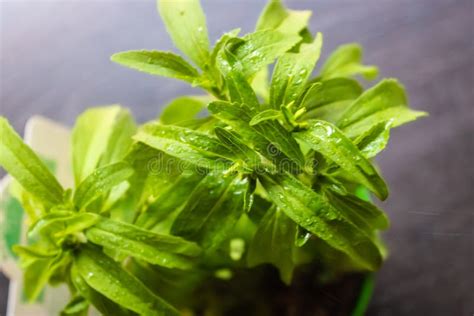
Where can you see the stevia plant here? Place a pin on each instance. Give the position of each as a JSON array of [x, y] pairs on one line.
[[274, 173]]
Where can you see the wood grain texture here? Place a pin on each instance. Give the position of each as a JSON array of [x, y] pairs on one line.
[[55, 62]]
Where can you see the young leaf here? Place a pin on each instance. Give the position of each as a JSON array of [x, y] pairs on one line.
[[101, 181], [269, 138], [260, 84], [25, 166], [158, 63], [240, 90], [94, 135], [265, 115], [276, 16], [183, 109], [262, 48], [35, 276], [221, 43], [291, 72], [186, 24], [186, 144], [385, 101], [328, 140], [77, 306], [108, 278], [164, 250], [273, 243], [311, 211], [346, 61], [374, 140], [212, 210]]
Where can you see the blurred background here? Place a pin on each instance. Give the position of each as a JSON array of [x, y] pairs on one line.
[[54, 61]]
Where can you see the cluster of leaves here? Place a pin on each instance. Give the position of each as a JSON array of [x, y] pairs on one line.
[[270, 175]]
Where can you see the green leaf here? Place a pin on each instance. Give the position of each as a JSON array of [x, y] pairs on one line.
[[311, 211], [374, 140], [383, 102], [362, 214], [77, 306], [265, 115], [194, 147], [158, 63], [346, 61], [233, 141], [213, 209], [269, 138], [262, 48], [292, 71], [170, 199], [240, 90], [100, 182], [183, 109], [327, 92], [100, 302], [260, 84], [328, 140], [186, 24], [273, 243], [167, 251], [106, 276], [35, 277], [101, 136], [26, 167], [276, 16]]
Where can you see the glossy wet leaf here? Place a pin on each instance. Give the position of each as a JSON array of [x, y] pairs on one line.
[[236, 144], [374, 140], [346, 61], [328, 140], [212, 210], [266, 115], [186, 144], [292, 71], [314, 213], [262, 48], [157, 63], [26, 167], [273, 243], [164, 250], [100, 182], [108, 278], [383, 102], [186, 25]]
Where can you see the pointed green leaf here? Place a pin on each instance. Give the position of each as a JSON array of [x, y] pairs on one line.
[[186, 24], [183, 109], [291, 72], [328, 140], [311, 211], [186, 144], [374, 140], [164, 250], [260, 84], [108, 278], [266, 115], [213, 209], [346, 61], [385, 101], [26, 167], [276, 16], [101, 133], [233, 141], [262, 48], [273, 242], [157, 63], [100, 182]]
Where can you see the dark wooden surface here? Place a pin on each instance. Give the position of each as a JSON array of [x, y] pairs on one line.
[[55, 62]]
